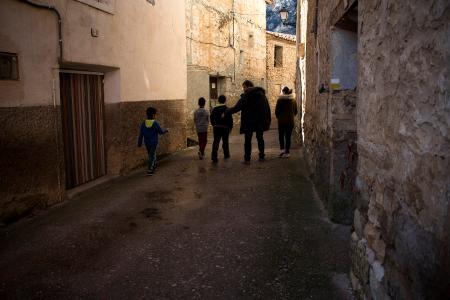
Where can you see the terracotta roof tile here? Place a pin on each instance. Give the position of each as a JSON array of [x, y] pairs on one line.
[[289, 37]]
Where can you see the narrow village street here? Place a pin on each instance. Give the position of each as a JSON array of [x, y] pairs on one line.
[[193, 231], [360, 210]]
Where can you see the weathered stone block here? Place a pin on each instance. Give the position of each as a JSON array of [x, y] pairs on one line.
[[374, 241], [419, 257], [359, 222], [360, 265], [356, 285], [376, 285]]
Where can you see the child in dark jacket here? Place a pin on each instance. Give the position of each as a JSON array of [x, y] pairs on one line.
[[150, 130], [221, 128]]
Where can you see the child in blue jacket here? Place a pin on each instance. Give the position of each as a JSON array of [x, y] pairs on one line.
[[150, 130]]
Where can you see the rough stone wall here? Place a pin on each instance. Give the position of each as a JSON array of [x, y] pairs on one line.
[[343, 156], [402, 216], [277, 77], [400, 243], [329, 117], [313, 126], [217, 48]]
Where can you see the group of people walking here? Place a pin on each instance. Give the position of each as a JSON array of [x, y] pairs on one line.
[[255, 119]]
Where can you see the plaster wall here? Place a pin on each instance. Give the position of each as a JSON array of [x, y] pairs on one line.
[[145, 43]]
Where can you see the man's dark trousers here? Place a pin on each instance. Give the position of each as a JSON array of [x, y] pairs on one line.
[[248, 145], [220, 133]]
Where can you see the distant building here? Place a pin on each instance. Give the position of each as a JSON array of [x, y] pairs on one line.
[[73, 93], [226, 44], [281, 58]]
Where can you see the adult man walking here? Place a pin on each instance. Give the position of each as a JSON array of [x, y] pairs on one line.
[[255, 117]]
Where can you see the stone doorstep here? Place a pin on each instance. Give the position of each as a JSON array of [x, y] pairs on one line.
[[85, 188], [107, 179]]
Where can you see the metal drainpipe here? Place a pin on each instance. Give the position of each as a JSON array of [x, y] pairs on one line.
[[234, 48], [53, 9]]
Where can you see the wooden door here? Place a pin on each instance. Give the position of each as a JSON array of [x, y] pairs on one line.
[[83, 127]]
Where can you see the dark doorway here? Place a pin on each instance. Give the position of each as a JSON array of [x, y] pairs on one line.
[[83, 127], [213, 89]]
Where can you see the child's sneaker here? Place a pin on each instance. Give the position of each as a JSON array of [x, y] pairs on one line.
[[150, 172], [281, 154], [286, 155], [200, 156]]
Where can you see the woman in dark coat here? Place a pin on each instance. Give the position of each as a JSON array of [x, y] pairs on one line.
[[285, 110]]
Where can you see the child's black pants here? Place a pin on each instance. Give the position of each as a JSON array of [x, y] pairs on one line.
[[220, 133]]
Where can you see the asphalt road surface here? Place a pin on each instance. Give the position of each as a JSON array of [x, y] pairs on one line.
[[193, 231]]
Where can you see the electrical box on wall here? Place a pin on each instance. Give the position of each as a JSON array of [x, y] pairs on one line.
[[94, 32]]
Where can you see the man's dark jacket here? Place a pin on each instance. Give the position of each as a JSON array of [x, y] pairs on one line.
[[255, 110], [217, 120]]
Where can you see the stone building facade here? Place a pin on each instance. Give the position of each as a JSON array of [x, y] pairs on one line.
[[281, 57], [72, 96], [225, 44], [327, 51], [375, 84]]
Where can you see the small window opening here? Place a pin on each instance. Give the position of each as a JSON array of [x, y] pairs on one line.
[[251, 40], [278, 58], [9, 66], [217, 86], [213, 93], [241, 57]]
